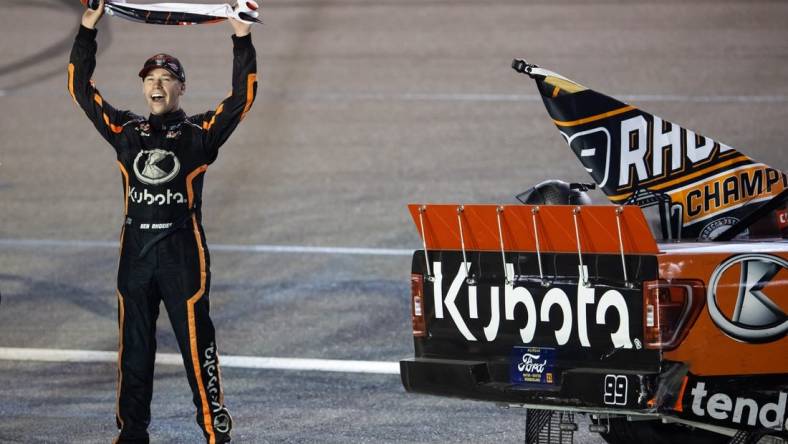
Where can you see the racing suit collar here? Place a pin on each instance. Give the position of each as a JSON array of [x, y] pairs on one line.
[[162, 120]]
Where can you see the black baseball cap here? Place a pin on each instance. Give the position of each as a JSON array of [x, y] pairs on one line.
[[164, 61]]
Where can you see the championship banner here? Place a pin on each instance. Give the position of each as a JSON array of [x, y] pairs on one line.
[[178, 13], [699, 186]]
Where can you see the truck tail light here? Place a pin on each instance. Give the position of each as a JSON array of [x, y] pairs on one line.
[[417, 305], [669, 310]]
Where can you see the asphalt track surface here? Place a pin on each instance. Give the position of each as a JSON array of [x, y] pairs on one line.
[[363, 107]]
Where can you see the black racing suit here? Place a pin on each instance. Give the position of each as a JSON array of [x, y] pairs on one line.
[[163, 253]]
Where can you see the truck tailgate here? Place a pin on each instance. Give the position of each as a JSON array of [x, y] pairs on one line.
[[533, 327]]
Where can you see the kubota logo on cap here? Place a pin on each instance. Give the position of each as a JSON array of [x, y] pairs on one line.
[[156, 166], [750, 314]]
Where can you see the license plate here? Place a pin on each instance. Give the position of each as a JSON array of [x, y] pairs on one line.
[[532, 365]]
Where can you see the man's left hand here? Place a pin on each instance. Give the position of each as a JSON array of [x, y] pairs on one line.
[[249, 7], [240, 28]]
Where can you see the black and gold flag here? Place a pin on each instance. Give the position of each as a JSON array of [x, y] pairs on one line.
[[698, 187]]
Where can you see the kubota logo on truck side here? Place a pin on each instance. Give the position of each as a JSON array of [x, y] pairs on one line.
[[750, 313], [554, 297]]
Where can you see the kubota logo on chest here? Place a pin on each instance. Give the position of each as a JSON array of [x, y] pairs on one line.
[[156, 166]]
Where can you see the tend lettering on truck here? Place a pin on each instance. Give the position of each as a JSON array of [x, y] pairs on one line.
[[739, 410]]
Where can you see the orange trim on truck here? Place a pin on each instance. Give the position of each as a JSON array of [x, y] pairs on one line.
[[597, 226]]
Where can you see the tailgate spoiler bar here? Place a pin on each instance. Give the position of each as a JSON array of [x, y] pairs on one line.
[[598, 229]]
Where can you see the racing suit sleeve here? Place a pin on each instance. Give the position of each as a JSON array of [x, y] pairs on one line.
[[220, 123], [107, 120]]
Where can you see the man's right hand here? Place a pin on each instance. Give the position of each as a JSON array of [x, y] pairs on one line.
[[92, 16]]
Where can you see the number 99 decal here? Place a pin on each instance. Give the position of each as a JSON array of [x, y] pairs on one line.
[[615, 390]]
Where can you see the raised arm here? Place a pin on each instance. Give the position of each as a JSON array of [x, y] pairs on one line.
[[107, 120], [221, 122]]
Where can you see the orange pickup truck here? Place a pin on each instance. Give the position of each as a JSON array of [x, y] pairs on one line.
[[662, 316]]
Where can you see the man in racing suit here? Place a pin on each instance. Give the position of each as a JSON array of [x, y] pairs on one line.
[[163, 159]]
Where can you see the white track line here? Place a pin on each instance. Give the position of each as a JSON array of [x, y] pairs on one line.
[[254, 362], [493, 97], [350, 96], [298, 249]]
